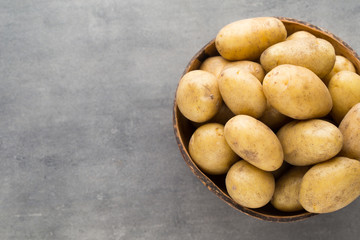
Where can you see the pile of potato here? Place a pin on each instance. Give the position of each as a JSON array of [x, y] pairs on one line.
[[279, 115]]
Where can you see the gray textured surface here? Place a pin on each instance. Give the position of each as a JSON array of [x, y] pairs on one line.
[[86, 142]]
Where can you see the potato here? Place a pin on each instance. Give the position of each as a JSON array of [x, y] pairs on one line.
[[247, 39], [249, 186], [341, 64], [249, 66], [309, 142], [273, 118], [254, 142], [297, 92], [210, 151], [287, 187], [331, 185], [318, 55], [242, 92], [344, 88], [214, 65], [198, 96], [350, 129], [300, 35]]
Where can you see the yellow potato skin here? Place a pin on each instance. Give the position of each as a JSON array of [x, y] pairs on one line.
[[210, 151], [252, 67], [344, 88], [317, 54], [198, 96], [242, 92], [287, 188], [350, 129], [246, 39], [341, 64], [249, 186], [309, 142], [214, 65], [331, 185], [297, 92], [300, 35], [254, 142]]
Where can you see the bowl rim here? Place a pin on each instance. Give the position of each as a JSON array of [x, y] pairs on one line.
[[202, 176]]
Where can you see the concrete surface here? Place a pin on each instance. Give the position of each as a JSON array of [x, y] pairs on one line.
[[86, 141]]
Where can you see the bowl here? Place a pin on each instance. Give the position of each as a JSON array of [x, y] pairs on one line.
[[183, 128]]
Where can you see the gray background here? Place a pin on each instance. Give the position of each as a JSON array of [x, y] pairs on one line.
[[87, 149]]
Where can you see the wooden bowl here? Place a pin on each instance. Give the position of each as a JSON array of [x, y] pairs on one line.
[[184, 129]]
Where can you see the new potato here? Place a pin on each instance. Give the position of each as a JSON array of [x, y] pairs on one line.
[[331, 185], [254, 142], [344, 88], [317, 55], [209, 149], [309, 142], [341, 64], [248, 185], [198, 96], [242, 92], [297, 92], [350, 129], [247, 39], [287, 188]]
